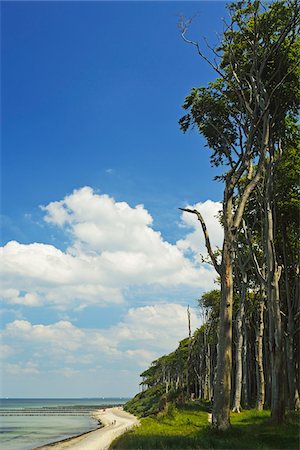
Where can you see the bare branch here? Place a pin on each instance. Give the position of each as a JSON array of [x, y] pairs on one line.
[[250, 187], [254, 258], [206, 236], [184, 26], [218, 55]]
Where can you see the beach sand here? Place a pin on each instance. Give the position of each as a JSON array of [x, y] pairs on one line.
[[115, 422]]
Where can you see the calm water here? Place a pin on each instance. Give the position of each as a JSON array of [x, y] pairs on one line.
[[29, 423]]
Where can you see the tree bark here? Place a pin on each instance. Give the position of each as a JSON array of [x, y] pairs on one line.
[[273, 298], [221, 406], [260, 376], [239, 348], [207, 393], [245, 366], [294, 401]]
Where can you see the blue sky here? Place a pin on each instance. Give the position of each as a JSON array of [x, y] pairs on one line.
[[91, 97]]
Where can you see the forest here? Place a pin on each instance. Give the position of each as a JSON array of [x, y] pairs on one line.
[[246, 352]]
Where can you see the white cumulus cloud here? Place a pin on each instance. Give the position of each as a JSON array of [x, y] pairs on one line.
[[113, 248], [144, 334], [194, 241]]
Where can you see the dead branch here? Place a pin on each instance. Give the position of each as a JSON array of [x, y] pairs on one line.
[[206, 236]]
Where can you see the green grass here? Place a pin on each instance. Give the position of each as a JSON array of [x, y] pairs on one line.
[[187, 428], [146, 403]]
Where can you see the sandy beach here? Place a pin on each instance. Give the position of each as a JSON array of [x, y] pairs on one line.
[[115, 422]]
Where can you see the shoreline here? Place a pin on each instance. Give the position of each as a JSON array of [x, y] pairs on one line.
[[112, 423], [68, 439]]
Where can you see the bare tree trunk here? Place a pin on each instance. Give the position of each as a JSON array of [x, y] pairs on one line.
[[267, 363], [189, 355], [177, 382], [221, 406], [294, 401], [275, 330], [213, 371], [207, 372], [245, 366], [260, 376], [239, 348]]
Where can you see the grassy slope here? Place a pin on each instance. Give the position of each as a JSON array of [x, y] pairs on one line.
[[187, 428], [146, 403]]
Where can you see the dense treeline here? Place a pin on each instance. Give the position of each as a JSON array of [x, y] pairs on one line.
[[190, 371], [246, 353]]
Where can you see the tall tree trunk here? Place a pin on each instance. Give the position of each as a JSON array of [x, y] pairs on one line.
[[213, 372], [275, 330], [239, 347], [245, 366], [260, 376], [267, 363], [207, 357], [221, 406], [189, 355], [294, 401]]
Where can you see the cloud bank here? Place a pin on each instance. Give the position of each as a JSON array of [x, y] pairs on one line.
[[141, 336], [114, 260], [113, 248]]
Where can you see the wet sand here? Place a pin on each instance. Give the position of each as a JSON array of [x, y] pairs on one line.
[[114, 422]]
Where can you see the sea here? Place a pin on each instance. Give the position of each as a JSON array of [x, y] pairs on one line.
[[29, 423]]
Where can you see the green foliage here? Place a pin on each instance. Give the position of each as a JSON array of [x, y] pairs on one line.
[[263, 33], [165, 381], [257, 60], [188, 428], [210, 111], [171, 411], [287, 189], [147, 402], [210, 299]]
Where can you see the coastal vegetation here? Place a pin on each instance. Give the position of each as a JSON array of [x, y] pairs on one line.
[[248, 117], [186, 427], [243, 362]]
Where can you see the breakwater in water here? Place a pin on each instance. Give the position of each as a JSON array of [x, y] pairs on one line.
[[29, 423], [52, 411]]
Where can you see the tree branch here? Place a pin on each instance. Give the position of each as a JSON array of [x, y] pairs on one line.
[[258, 270], [206, 236], [250, 187], [184, 25]]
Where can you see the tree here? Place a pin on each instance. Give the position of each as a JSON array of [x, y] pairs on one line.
[[242, 263], [287, 207], [242, 116]]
